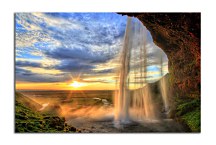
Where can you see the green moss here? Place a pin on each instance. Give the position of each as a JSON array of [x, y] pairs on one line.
[[189, 112], [187, 106], [192, 119]]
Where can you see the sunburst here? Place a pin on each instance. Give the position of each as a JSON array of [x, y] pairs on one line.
[[76, 84]]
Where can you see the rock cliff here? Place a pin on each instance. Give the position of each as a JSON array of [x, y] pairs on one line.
[[178, 34]]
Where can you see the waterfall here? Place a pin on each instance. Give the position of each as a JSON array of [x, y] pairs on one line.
[[163, 84], [123, 96], [134, 99], [164, 93]]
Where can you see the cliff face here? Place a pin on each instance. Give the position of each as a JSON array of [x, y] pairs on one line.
[[178, 34]]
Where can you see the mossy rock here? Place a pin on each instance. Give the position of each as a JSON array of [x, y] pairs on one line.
[[187, 106], [188, 112], [192, 119]]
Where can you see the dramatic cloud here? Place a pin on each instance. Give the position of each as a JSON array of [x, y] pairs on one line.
[[29, 76], [77, 41], [84, 54], [52, 47], [74, 66], [27, 63], [22, 72]]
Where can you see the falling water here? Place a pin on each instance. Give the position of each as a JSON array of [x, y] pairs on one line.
[[134, 99], [163, 84], [164, 94], [122, 98]]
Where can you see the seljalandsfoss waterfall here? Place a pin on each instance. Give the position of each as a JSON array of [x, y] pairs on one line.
[[141, 95], [107, 72]]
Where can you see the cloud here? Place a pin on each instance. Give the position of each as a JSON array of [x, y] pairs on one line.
[[74, 40], [81, 54], [29, 76], [104, 71], [100, 78], [54, 45], [41, 78], [22, 72], [73, 66], [69, 28], [27, 63]]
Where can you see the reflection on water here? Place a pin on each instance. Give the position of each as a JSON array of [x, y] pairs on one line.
[[44, 106]]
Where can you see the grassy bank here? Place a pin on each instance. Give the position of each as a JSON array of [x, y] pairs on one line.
[[188, 112], [27, 120]]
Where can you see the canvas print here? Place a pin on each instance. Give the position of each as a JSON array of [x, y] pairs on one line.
[[107, 72]]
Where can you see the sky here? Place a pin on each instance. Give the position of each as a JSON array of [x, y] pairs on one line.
[[54, 50]]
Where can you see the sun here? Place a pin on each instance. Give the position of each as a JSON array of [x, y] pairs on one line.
[[76, 84]]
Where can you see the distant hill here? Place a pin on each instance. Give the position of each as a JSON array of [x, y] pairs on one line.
[[28, 102], [52, 109]]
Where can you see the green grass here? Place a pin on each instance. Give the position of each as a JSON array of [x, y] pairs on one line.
[[27, 120], [186, 106], [192, 119], [189, 112]]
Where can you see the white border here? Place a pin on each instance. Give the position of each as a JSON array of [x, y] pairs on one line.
[[8, 8]]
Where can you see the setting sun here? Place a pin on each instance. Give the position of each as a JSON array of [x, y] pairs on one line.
[[76, 84]]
